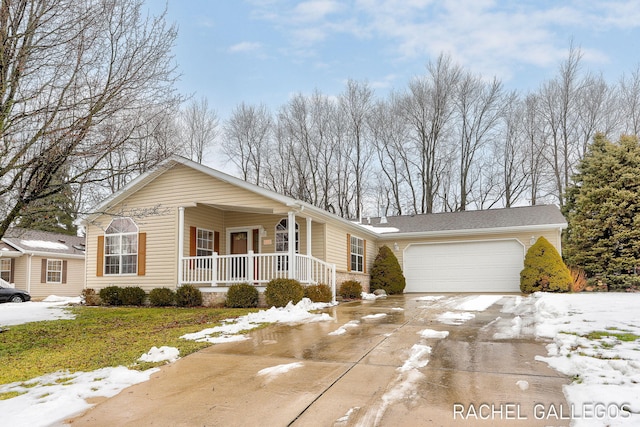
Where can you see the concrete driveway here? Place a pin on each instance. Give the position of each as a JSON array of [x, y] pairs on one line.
[[389, 365]]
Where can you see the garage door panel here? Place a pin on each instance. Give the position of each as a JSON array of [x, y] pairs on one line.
[[491, 266]]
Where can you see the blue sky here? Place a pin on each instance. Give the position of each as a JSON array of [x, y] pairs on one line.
[[263, 51]]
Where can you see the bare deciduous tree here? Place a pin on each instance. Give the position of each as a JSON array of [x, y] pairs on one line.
[[246, 139], [69, 71], [199, 129], [428, 108], [479, 107]]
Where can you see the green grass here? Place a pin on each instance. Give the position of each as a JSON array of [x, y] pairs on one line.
[[622, 336], [101, 337]]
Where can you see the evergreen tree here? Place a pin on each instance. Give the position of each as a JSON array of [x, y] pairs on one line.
[[386, 273], [54, 213], [603, 210]]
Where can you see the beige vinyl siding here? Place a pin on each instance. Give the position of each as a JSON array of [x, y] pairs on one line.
[[204, 217], [161, 254], [337, 250], [553, 235], [20, 272], [74, 279]]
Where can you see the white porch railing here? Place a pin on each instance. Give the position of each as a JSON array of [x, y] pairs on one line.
[[216, 270]]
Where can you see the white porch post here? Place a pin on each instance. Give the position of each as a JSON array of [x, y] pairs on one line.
[[291, 225], [180, 244], [309, 265], [250, 271]]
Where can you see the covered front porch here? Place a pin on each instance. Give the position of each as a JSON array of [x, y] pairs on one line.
[[228, 251]]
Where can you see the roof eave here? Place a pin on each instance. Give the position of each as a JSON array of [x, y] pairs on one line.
[[468, 231]]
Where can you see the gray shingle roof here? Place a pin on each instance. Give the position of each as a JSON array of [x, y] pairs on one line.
[[44, 241], [472, 220]]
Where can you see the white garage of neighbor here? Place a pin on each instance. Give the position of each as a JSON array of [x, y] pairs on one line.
[[472, 266]]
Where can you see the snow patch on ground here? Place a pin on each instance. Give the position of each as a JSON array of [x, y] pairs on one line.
[[453, 318], [430, 333], [343, 329], [478, 302], [274, 371], [418, 358], [52, 308], [52, 398], [371, 297], [345, 417], [374, 316], [231, 329], [162, 354]]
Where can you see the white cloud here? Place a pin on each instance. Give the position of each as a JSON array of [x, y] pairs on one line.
[[244, 47], [315, 10]]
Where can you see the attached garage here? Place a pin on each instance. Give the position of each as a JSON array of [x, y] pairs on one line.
[[471, 266]]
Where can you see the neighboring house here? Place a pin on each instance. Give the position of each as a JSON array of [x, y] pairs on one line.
[[185, 223], [43, 263]]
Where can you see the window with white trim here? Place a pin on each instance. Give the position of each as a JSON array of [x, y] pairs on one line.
[[54, 271], [357, 254], [121, 247], [204, 242], [282, 236], [5, 270]]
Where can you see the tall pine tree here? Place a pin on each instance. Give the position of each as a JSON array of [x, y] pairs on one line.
[[54, 213], [603, 211]]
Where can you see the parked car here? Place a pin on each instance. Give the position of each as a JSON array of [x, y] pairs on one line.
[[13, 295]]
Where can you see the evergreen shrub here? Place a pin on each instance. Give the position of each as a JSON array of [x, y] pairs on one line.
[[318, 293], [544, 270], [242, 295], [386, 273], [350, 289], [162, 297], [110, 295], [280, 291], [132, 295], [188, 296]]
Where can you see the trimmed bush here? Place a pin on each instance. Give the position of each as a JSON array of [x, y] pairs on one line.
[[350, 289], [544, 270], [386, 273], [318, 293], [242, 295], [90, 297], [280, 292], [188, 296], [132, 295], [111, 295], [162, 297]]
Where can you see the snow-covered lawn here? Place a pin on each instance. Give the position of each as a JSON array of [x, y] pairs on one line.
[[52, 308], [596, 341]]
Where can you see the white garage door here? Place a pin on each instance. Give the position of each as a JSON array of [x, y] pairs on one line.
[[491, 266]]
